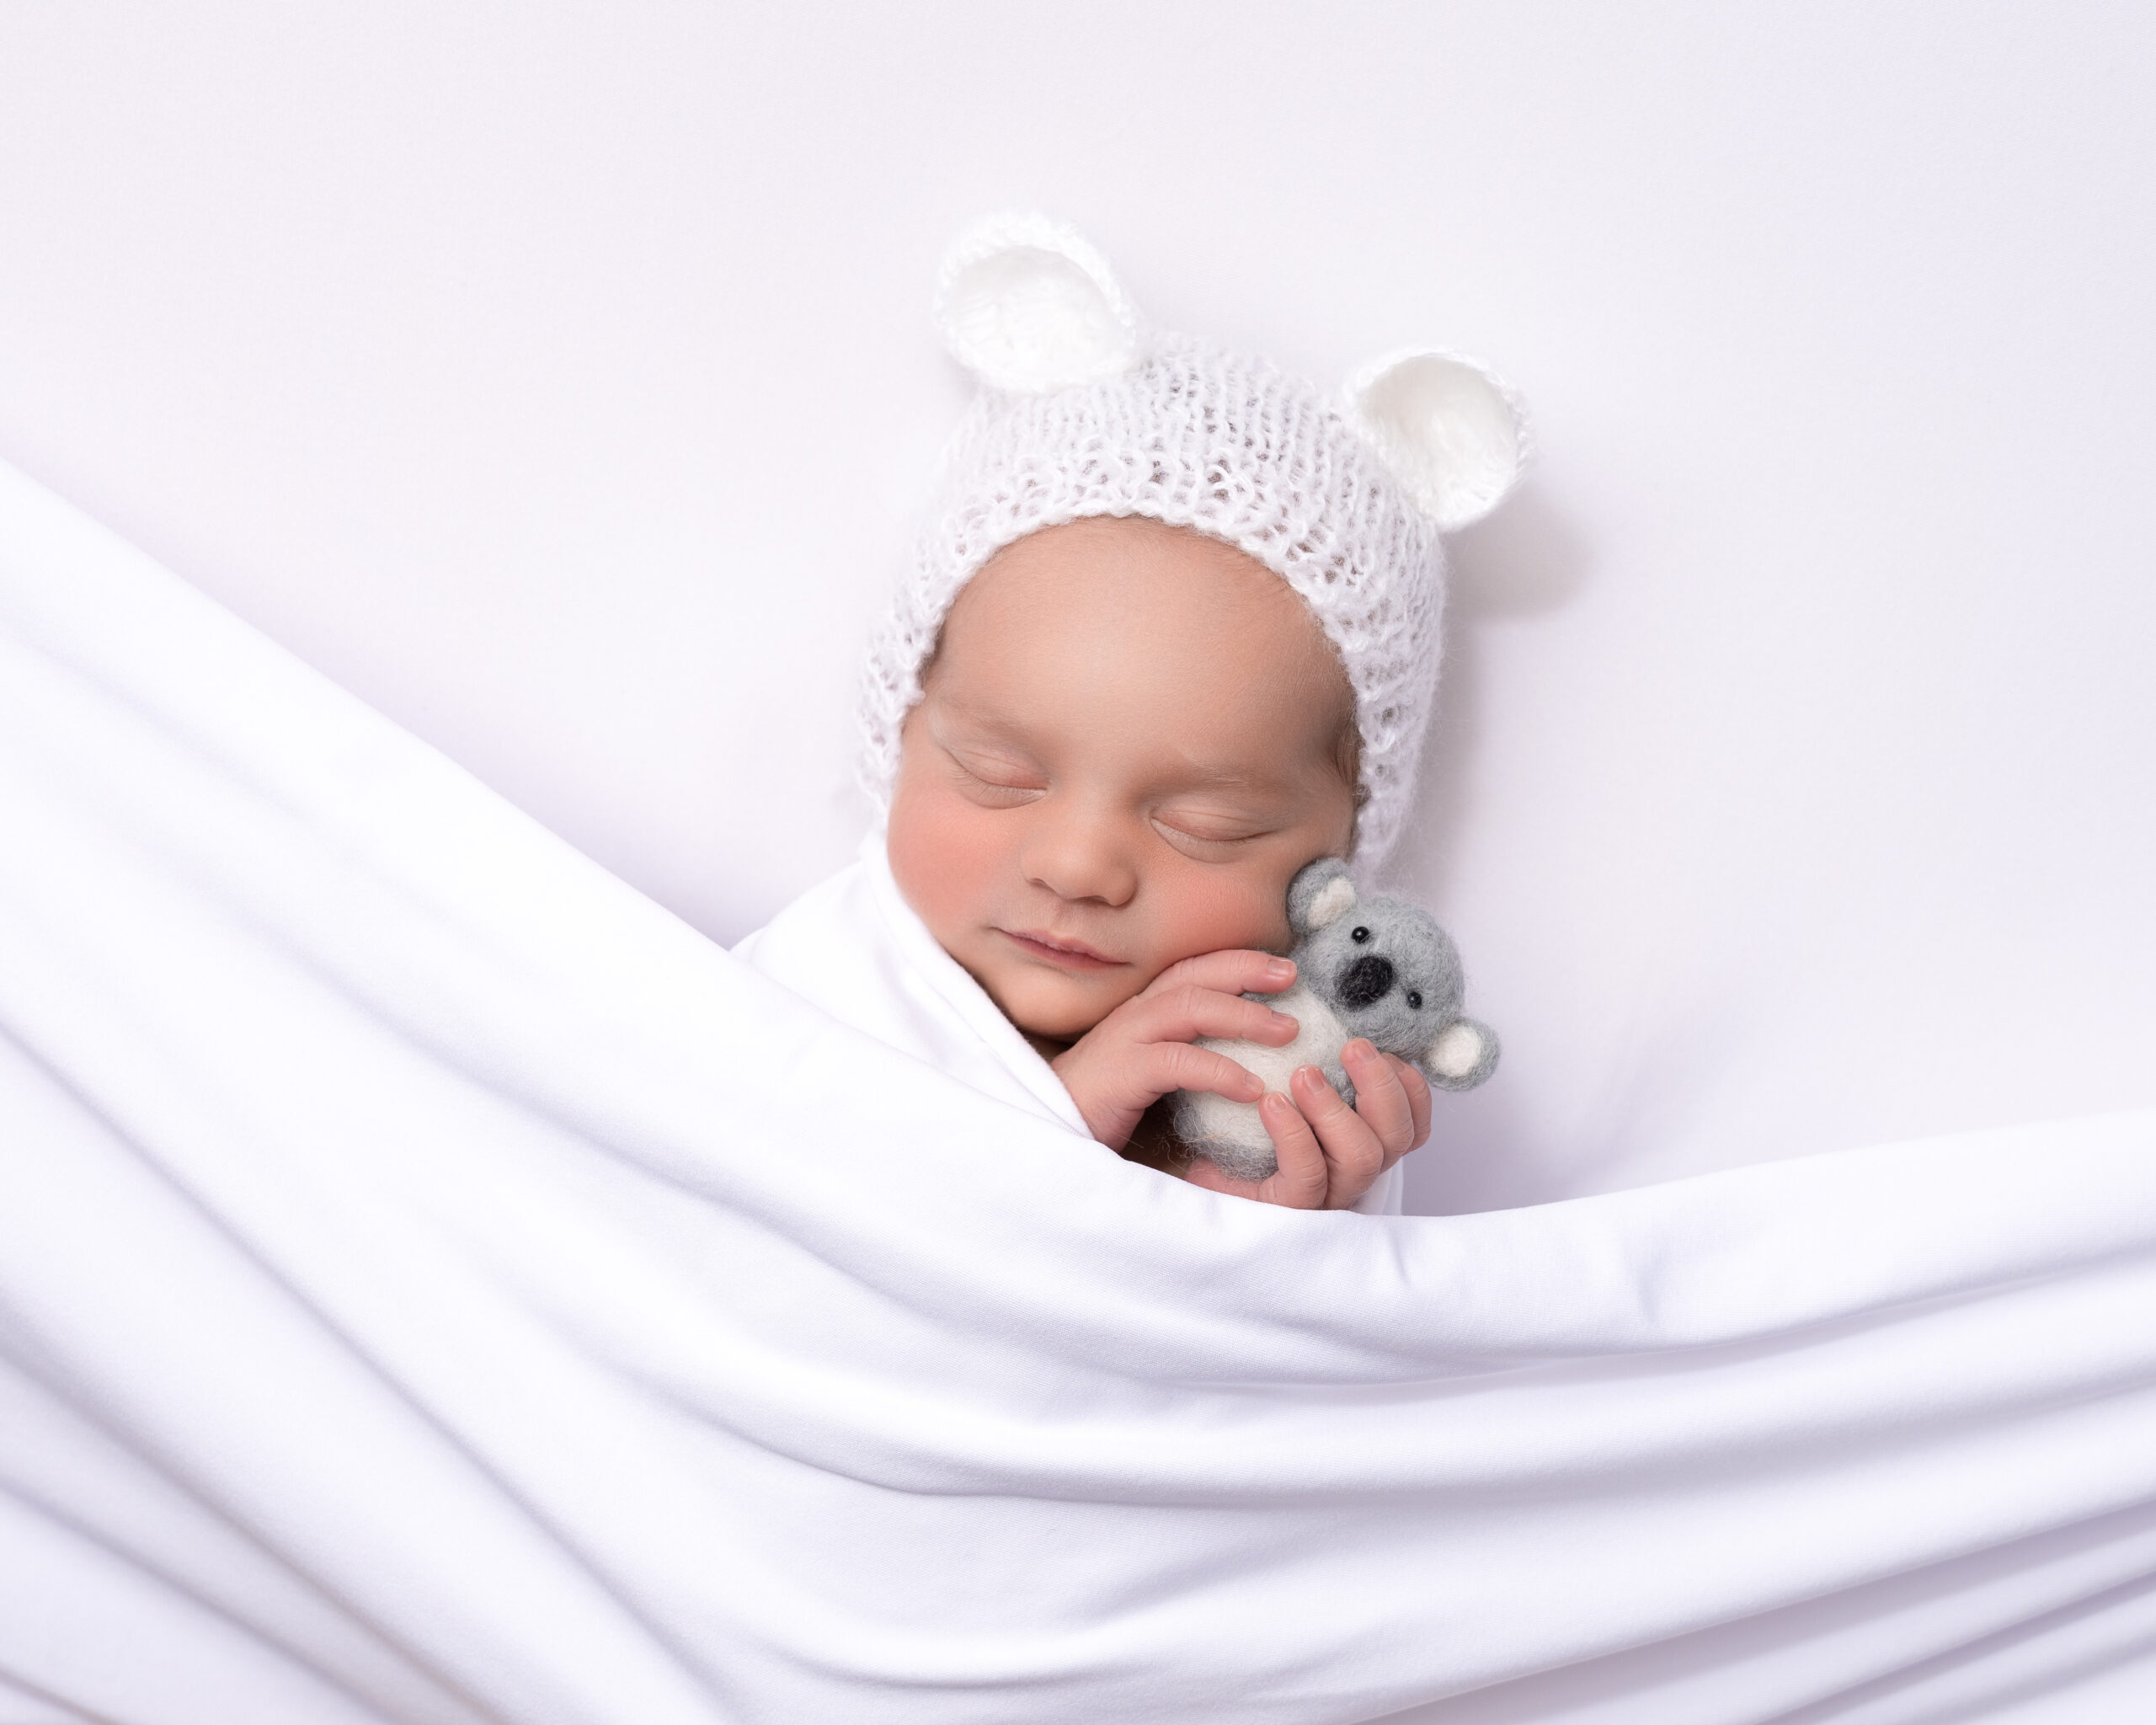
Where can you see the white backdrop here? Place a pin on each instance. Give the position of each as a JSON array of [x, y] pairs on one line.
[[559, 379]]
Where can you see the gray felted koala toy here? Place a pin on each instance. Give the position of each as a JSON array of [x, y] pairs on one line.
[[1377, 967]]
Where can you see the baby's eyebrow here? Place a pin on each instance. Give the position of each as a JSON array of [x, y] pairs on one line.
[[986, 718], [1199, 778]]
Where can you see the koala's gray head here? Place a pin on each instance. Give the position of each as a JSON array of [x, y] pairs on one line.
[[1389, 972]]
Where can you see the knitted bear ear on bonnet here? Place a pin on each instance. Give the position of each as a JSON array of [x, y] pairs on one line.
[[1028, 307], [1448, 429]]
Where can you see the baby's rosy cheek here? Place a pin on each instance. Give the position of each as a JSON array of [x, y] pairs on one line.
[[1239, 914], [930, 860]]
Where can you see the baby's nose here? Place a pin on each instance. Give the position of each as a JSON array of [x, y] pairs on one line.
[[1077, 859], [1370, 978]]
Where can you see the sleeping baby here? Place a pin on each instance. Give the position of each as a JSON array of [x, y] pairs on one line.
[[1172, 635]]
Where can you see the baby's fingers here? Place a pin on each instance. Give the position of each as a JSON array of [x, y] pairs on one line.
[[1235, 971], [1418, 1100], [1355, 1153], [1302, 1178], [1385, 1100], [1180, 1066], [1184, 1012]]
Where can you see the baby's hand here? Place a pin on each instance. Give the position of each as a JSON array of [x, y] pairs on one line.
[[1142, 1050], [1331, 1154]]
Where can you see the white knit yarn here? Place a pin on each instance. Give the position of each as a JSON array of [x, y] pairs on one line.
[[1221, 442]]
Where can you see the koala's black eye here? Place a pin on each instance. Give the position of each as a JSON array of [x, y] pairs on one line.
[[1358, 935], [1415, 999]]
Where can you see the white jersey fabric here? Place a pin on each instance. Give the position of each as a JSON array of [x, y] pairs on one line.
[[437, 1287]]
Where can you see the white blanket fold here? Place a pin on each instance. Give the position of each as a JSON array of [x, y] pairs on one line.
[[437, 1285], [853, 949]]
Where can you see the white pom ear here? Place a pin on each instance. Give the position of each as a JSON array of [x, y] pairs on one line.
[[1457, 1051], [1452, 432], [1334, 900], [1461, 1056], [1322, 893], [1026, 305]]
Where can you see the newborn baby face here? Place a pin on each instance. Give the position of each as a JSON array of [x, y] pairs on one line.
[[1131, 739]]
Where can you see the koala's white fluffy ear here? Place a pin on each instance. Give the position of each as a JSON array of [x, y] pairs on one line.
[[1461, 1056], [1320, 893], [1453, 434], [1026, 305]]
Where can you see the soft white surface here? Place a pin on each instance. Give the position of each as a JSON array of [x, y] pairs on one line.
[[1795, 787], [436, 1285]]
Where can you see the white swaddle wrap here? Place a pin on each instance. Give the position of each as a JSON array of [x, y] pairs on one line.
[[436, 1285], [854, 948]]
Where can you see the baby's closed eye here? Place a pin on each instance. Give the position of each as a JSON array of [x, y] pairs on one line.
[[995, 778], [1202, 830]]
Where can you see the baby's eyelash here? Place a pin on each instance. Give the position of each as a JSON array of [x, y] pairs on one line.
[[987, 783], [1206, 838]]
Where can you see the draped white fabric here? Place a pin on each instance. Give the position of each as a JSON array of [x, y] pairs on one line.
[[437, 1285]]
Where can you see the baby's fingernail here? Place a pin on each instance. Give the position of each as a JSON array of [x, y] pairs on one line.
[[1280, 970], [1280, 1021]]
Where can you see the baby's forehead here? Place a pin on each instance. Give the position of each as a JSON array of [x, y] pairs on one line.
[[1104, 546], [1187, 654], [1152, 588]]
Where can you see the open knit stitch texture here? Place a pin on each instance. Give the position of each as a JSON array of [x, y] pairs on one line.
[[1230, 446]]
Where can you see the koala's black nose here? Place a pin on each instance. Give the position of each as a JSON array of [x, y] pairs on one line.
[[1370, 978]]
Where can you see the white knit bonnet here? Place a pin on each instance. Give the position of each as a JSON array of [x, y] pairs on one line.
[[1084, 411]]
